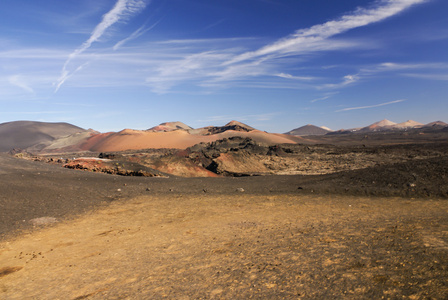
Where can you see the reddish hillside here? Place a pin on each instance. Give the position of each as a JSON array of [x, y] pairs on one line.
[[135, 139], [166, 135], [381, 125]]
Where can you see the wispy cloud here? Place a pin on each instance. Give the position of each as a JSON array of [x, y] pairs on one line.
[[440, 77], [394, 68], [430, 71], [207, 65], [289, 76], [122, 10], [207, 41], [307, 39], [20, 82], [346, 80], [142, 30], [320, 99], [325, 97], [196, 67], [372, 106], [236, 65]]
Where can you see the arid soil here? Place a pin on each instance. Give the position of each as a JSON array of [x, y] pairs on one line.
[[236, 247], [375, 232]]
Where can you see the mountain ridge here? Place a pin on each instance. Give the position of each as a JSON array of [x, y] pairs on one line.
[[64, 137]]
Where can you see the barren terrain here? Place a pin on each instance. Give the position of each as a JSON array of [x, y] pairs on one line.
[[372, 222], [236, 247]]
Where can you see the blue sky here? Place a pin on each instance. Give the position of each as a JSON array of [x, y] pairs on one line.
[[273, 64]]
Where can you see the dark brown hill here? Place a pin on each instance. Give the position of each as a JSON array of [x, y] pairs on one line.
[[436, 125], [232, 125], [23, 134], [308, 130]]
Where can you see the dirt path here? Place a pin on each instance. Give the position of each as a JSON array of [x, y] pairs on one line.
[[236, 247]]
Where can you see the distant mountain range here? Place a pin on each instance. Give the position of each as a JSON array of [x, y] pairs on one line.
[[386, 125], [62, 137], [380, 126], [65, 137]]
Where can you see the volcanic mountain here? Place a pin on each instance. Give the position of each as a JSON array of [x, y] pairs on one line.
[[408, 124], [63, 137], [170, 126], [436, 124], [232, 125], [386, 125], [308, 130], [166, 135], [389, 125], [378, 126], [129, 139], [23, 134]]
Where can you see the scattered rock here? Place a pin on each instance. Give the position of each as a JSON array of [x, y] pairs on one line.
[[118, 190], [110, 167], [9, 270], [43, 221], [107, 155], [148, 189], [241, 190]]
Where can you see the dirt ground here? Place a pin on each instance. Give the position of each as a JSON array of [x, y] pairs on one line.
[[236, 247], [71, 234]]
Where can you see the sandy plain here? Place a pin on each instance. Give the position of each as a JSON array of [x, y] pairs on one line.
[[236, 247]]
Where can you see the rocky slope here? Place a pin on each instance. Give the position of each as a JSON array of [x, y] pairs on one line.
[[40, 137]]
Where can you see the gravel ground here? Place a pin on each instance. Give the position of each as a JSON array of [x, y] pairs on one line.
[[71, 234], [32, 190]]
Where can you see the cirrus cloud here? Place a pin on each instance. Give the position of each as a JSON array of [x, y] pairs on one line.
[[371, 106], [122, 10]]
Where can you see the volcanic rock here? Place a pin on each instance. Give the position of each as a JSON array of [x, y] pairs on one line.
[[232, 125]]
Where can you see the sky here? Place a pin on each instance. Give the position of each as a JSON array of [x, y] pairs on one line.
[[273, 64]]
